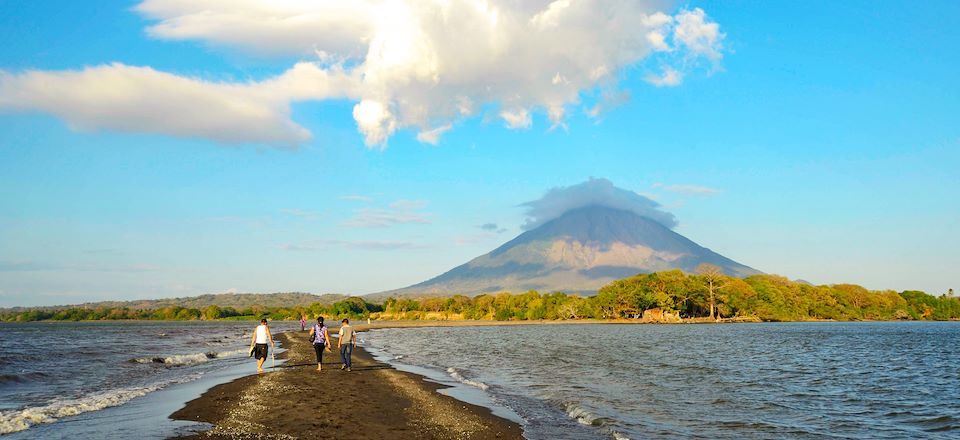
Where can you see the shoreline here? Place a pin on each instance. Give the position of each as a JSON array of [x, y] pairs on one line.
[[393, 323], [374, 400]]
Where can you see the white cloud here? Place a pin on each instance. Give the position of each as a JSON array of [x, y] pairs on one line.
[[357, 198], [351, 244], [271, 27], [375, 121], [420, 64], [650, 196], [698, 35], [399, 212], [432, 136], [379, 218], [517, 118], [659, 27], [670, 78], [600, 192], [609, 100], [304, 214], [140, 99]]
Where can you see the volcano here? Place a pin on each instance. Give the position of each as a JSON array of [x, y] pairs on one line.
[[578, 252]]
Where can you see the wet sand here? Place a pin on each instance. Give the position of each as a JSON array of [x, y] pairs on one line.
[[374, 401]]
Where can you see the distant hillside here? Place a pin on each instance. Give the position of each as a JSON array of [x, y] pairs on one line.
[[579, 252], [235, 300]]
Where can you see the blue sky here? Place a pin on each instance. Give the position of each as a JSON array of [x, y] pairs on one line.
[[820, 141]]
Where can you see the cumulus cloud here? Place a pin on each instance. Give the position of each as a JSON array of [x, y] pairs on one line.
[[700, 36], [669, 78], [593, 192], [517, 118], [140, 99], [417, 64]]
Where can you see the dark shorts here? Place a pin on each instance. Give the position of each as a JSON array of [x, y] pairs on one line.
[[319, 349], [260, 351]]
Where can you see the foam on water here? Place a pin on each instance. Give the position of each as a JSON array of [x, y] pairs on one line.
[[459, 377], [189, 359], [75, 371], [19, 420], [581, 415]]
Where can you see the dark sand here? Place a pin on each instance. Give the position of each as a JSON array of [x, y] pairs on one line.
[[374, 401]]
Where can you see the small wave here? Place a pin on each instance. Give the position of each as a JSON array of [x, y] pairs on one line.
[[22, 377], [456, 375], [20, 420], [581, 415], [938, 424], [398, 357], [619, 436], [189, 359]]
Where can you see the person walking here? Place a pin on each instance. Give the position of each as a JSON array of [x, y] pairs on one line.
[[347, 340], [320, 337], [258, 343], [303, 322]]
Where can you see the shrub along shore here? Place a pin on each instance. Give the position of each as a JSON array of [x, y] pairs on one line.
[[665, 296]]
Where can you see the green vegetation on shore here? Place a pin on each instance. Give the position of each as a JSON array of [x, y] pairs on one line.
[[703, 296]]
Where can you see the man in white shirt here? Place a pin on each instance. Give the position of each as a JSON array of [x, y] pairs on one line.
[[258, 343]]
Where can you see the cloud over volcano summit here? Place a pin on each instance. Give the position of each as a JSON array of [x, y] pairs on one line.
[[593, 192]]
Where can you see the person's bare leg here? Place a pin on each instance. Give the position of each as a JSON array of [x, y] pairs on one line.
[[260, 364]]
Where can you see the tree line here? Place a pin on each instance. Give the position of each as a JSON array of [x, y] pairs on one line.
[[352, 307], [707, 294]]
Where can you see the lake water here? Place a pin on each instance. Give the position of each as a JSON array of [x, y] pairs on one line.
[[113, 379], [804, 380], [793, 380]]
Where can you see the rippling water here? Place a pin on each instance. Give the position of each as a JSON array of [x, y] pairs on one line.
[[53, 373], [799, 380]]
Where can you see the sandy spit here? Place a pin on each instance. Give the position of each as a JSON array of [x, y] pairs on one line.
[[374, 401]]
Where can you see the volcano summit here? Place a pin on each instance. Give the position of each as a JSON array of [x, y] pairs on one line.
[[580, 251]]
